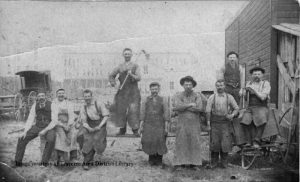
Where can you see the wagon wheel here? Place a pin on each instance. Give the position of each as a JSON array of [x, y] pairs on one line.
[[18, 107], [248, 157]]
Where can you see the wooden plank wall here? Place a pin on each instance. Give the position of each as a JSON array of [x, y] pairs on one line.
[[251, 35]]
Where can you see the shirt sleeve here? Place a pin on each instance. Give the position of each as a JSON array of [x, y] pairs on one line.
[[166, 109], [232, 102], [266, 89], [138, 76], [83, 115], [103, 109], [54, 112], [31, 118], [143, 109], [113, 75], [209, 104], [71, 113]]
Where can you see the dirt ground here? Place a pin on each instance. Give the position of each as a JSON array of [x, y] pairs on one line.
[[133, 167]]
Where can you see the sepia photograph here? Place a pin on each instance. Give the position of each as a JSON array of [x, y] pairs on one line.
[[149, 91]]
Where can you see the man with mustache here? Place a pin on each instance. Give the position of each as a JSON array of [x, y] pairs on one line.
[[220, 110], [63, 115], [92, 135], [188, 105], [154, 125], [126, 105], [40, 112], [256, 115]]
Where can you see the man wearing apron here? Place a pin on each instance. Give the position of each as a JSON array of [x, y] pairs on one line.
[[92, 135], [63, 115], [256, 116], [40, 112], [126, 106], [154, 125], [221, 108]]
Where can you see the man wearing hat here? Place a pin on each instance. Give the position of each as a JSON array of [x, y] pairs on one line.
[[188, 105], [63, 115], [154, 125], [38, 123], [256, 116]]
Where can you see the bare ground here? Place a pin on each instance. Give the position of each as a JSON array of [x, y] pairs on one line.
[[125, 150]]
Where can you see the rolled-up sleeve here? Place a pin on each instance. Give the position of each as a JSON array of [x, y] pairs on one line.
[[233, 103], [113, 75], [103, 109], [31, 118], [209, 104]]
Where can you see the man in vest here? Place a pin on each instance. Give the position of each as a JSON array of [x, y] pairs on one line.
[[92, 135], [40, 113], [232, 76], [126, 105], [255, 117], [154, 125], [221, 108]]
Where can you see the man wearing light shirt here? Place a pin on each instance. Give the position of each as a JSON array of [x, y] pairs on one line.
[[92, 136], [220, 110], [40, 113], [63, 115], [256, 115]]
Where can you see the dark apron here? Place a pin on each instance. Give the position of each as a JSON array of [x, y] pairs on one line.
[[220, 134]]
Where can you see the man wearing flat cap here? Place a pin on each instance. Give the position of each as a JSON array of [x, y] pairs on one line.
[[188, 105], [257, 92], [154, 125]]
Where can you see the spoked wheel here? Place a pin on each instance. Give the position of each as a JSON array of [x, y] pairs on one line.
[[248, 157], [18, 107]]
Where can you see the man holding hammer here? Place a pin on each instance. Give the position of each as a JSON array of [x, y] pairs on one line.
[[126, 105]]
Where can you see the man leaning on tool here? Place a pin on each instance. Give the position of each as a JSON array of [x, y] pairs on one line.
[[40, 113], [127, 100], [256, 116]]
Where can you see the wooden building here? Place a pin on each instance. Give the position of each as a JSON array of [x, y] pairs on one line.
[[267, 32], [251, 35]]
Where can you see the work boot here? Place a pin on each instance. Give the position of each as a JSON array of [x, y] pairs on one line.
[[122, 131], [214, 160], [224, 160]]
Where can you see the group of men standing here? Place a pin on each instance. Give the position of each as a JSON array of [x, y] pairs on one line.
[[150, 117]]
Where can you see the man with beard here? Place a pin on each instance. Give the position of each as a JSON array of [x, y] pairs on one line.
[[255, 117], [63, 115], [220, 110], [188, 105], [232, 76], [40, 113], [126, 105], [154, 125], [92, 135]]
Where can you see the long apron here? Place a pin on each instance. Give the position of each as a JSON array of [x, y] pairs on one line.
[[94, 140], [220, 134], [154, 136], [188, 139], [126, 105], [63, 138]]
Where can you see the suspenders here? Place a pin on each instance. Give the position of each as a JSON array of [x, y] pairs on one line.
[[214, 103]]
